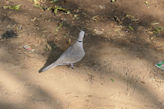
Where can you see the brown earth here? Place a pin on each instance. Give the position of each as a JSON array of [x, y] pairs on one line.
[[122, 43]]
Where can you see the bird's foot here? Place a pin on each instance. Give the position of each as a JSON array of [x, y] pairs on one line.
[[72, 66]]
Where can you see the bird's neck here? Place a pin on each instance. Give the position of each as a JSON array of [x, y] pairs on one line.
[[79, 43]]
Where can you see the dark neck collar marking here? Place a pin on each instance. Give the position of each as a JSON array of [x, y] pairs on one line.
[[80, 41]]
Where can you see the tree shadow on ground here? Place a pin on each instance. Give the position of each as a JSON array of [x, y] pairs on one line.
[[137, 47], [12, 56], [7, 35], [39, 96], [33, 95]]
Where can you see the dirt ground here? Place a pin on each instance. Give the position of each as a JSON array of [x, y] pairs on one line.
[[123, 41]]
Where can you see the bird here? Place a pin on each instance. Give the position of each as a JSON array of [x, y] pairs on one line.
[[71, 55]]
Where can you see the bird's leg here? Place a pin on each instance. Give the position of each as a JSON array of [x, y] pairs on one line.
[[72, 66]]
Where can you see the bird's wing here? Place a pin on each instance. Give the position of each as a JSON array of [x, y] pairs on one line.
[[71, 55]]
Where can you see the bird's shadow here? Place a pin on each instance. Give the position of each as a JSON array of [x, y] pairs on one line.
[[54, 55]]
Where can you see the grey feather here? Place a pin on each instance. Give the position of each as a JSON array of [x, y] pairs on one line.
[[72, 55]]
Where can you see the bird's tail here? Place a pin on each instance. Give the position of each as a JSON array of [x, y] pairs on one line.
[[48, 67]]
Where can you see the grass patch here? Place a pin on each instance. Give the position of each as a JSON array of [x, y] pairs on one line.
[[14, 7]]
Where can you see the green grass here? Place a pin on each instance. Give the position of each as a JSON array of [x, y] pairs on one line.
[[13, 7], [157, 30]]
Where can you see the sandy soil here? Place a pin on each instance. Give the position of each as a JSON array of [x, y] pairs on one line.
[[122, 45]]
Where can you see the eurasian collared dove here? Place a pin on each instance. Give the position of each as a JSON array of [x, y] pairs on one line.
[[72, 55]]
